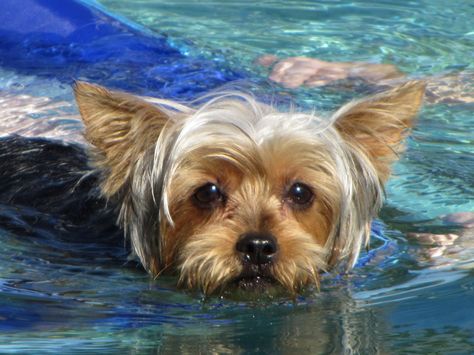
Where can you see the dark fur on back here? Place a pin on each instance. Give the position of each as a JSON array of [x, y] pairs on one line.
[[48, 192]]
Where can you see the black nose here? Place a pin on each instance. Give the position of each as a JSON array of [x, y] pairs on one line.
[[257, 248]]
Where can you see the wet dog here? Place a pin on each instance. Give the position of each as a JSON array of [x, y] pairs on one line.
[[234, 192]]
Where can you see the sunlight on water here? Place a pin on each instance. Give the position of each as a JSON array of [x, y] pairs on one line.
[[76, 291], [420, 37]]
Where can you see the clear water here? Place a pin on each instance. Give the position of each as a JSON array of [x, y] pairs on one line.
[[410, 299]]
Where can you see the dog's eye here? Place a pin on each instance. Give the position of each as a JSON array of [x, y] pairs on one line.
[[300, 195], [208, 196]]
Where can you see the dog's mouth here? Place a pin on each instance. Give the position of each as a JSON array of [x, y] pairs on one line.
[[255, 278], [255, 283]]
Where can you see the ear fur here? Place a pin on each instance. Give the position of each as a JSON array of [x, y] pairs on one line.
[[120, 127], [379, 124]]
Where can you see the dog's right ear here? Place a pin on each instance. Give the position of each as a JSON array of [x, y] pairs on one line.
[[120, 127], [379, 124]]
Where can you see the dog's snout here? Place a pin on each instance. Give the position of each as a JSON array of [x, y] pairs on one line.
[[257, 248]]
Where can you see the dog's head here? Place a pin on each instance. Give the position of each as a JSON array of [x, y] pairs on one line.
[[234, 192]]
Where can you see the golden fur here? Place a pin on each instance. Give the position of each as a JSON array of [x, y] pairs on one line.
[[156, 154]]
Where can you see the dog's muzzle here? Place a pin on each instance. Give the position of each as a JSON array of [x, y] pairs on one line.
[[258, 251]]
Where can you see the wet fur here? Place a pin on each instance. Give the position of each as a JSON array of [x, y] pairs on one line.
[[154, 154]]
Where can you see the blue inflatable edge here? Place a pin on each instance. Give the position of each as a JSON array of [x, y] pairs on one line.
[[93, 4], [84, 41]]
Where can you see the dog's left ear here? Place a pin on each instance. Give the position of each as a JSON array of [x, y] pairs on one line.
[[120, 127], [379, 124]]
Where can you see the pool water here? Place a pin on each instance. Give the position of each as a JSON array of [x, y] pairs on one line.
[[65, 287], [422, 38]]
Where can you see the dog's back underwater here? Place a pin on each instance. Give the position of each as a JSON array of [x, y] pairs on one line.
[[49, 195]]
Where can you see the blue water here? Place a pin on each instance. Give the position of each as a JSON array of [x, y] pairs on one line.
[[64, 289]]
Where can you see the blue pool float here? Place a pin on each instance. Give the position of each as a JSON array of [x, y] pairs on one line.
[[70, 40]]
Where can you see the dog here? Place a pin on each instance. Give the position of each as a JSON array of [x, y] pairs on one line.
[[233, 192]]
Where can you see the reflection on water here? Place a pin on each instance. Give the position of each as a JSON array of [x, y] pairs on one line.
[[66, 283], [79, 306]]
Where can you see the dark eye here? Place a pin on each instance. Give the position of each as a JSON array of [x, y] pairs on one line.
[[300, 195], [208, 196]]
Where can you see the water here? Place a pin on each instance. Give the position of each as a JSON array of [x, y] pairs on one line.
[[62, 288], [422, 38]]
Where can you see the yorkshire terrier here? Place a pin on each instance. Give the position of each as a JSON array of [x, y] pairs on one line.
[[233, 192]]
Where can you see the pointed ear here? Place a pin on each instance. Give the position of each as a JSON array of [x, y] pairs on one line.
[[379, 124], [120, 127]]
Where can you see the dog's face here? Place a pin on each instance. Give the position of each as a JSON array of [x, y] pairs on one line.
[[235, 192]]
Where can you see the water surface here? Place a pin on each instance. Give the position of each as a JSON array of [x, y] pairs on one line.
[[67, 288]]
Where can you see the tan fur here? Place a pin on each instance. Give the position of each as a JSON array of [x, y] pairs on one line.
[[143, 153], [256, 203], [379, 125], [121, 127]]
